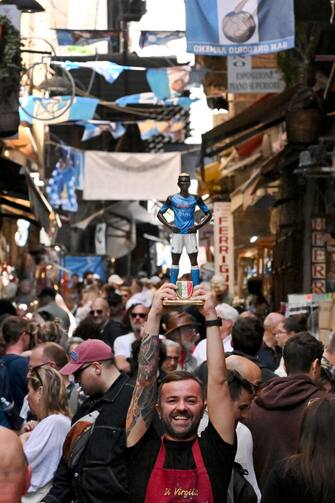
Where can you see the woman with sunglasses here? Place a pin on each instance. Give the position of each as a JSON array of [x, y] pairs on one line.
[[308, 476], [43, 445]]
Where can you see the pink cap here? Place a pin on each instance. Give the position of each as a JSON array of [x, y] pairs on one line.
[[92, 350]]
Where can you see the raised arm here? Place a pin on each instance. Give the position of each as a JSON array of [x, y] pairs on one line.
[[220, 406], [143, 402]]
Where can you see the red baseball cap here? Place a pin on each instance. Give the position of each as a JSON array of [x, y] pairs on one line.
[[92, 350]]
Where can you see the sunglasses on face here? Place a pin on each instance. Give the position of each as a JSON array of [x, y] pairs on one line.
[[96, 311], [141, 315], [32, 369], [78, 372], [36, 376]]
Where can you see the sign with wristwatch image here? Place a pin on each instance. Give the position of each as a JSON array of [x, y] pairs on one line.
[[230, 27]]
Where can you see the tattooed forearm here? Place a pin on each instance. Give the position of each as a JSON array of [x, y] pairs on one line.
[[144, 396]]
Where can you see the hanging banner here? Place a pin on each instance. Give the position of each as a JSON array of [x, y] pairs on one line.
[[115, 176], [224, 244], [222, 28], [158, 37], [96, 128], [57, 109], [151, 99], [85, 37], [167, 82], [243, 78]]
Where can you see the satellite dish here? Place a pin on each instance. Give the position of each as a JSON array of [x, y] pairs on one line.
[[238, 26]]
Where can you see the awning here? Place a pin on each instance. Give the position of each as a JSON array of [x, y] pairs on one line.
[[124, 210], [261, 115], [20, 197]]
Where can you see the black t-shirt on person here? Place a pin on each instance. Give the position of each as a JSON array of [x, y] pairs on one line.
[[218, 458]]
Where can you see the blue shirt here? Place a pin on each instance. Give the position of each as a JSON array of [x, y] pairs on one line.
[[184, 210]]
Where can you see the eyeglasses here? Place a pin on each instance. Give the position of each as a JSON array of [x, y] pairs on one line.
[[38, 377], [96, 311], [78, 372], [141, 315], [31, 369]]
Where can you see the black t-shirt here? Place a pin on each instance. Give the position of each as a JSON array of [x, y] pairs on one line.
[[218, 458]]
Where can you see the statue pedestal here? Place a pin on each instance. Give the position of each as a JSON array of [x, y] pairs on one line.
[[184, 294], [182, 302]]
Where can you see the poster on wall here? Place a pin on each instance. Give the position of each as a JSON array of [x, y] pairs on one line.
[[224, 244], [230, 27]]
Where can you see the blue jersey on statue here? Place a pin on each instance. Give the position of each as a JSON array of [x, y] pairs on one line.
[[184, 210]]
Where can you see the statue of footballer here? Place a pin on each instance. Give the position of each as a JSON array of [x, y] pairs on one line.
[[184, 227]]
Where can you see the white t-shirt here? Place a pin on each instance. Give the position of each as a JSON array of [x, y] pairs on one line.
[[245, 446], [122, 345], [281, 371], [200, 352], [44, 449]]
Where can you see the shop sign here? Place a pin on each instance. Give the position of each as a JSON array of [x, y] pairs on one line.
[[224, 244], [319, 270], [242, 78]]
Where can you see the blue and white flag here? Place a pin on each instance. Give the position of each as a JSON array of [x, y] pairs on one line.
[[158, 37], [151, 99], [61, 186], [168, 82], [84, 37], [230, 27], [109, 70], [96, 128], [57, 109]]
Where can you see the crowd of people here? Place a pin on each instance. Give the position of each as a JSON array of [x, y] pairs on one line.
[[108, 396]]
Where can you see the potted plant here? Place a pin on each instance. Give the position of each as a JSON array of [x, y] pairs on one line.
[[10, 68]]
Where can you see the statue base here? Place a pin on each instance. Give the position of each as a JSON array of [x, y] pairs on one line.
[[182, 302], [184, 296]]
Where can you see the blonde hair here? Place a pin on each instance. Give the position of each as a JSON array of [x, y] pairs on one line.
[[51, 331], [53, 397]]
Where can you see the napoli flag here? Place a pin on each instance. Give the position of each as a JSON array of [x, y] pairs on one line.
[[229, 27]]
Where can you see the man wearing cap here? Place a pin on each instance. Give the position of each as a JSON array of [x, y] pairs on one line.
[[181, 327], [92, 469], [115, 281], [228, 315], [184, 227]]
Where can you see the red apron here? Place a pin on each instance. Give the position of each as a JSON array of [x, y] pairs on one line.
[[172, 486]]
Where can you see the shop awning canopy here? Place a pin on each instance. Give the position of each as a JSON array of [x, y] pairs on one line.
[[261, 115], [20, 197]]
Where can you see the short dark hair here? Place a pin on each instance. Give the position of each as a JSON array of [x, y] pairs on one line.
[[247, 335], [56, 353], [12, 328], [87, 329], [180, 375], [48, 292], [295, 324], [237, 383], [300, 351]]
